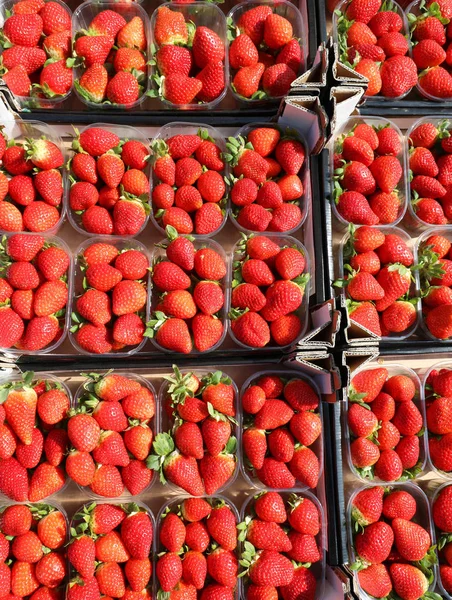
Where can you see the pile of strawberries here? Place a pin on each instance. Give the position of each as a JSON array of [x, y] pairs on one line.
[[369, 175], [280, 549], [189, 59], [265, 56], [111, 432], [36, 40], [109, 309], [198, 543], [435, 262], [110, 186], [268, 288], [282, 424], [438, 393], [109, 552], [393, 548], [33, 438], [188, 301], [33, 554], [431, 36], [431, 172], [199, 452], [189, 191], [385, 425], [113, 53], [379, 281], [373, 42], [33, 291], [266, 189], [31, 184], [442, 517]]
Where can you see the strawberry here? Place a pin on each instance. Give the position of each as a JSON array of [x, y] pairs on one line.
[[93, 50], [277, 79], [132, 35], [389, 466], [171, 57], [96, 141], [408, 581], [207, 47], [45, 481], [23, 30], [55, 79], [354, 207], [373, 545], [270, 569], [217, 470], [196, 509], [123, 89], [398, 75], [246, 81], [399, 505], [137, 534], [255, 446], [58, 45], [221, 524], [375, 580], [361, 421], [181, 470], [170, 27], [222, 565], [242, 52], [304, 466], [179, 89], [11, 327], [275, 474], [389, 142], [85, 590], [437, 82], [281, 445], [408, 418], [270, 507], [364, 453], [368, 506]]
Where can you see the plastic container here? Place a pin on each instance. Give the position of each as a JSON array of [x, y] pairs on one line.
[[422, 517], [154, 425], [438, 490], [415, 9], [284, 9], [182, 128], [28, 102], [302, 312], [121, 243], [200, 242], [438, 230], [64, 321], [318, 569], [202, 14], [166, 425], [419, 401], [316, 447], [171, 505], [414, 221], [395, 7], [81, 19], [305, 173], [38, 377], [428, 395], [124, 132], [403, 187], [415, 286], [21, 131], [75, 522]]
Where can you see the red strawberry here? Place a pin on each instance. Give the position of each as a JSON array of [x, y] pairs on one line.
[[275, 474], [368, 506]]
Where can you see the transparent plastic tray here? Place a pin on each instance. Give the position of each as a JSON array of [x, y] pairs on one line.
[[302, 311], [81, 19], [403, 186], [419, 401], [182, 128], [154, 425], [200, 242], [304, 174], [317, 447], [124, 132]]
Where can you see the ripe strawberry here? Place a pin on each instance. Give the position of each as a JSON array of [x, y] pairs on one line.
[[370, 70], [398, 75], [361, 421], [364, 453], [437, 82], [246, 81], [277, 79], [40, 216], [222, 565], [389, 466], [265, 535], [170, 27], [275, 474], [408, 418], [373, 545], [45, 481], [255, 446], [368, 506], [281, 445], [399, 505], [58, 45], [408, 581], [137, 534], [375, 580], [271, 569], [354, 207], [55, 79]]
